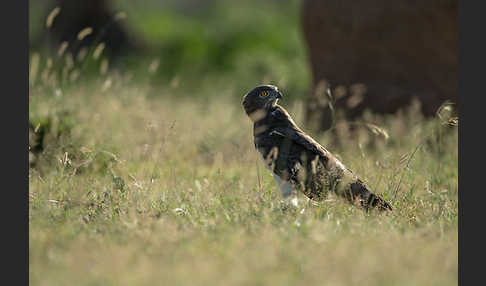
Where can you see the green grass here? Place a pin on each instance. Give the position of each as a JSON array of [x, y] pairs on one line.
[[133, 189]]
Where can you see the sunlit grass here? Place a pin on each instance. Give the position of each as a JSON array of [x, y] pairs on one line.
[[133, 189]]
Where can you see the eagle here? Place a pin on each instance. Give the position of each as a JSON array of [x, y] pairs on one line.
[[297, 161]]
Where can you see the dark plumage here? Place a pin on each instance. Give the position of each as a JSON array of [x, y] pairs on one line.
[[297, 161]]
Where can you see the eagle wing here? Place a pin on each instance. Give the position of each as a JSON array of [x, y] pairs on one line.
[[291, 131], [299, 137]]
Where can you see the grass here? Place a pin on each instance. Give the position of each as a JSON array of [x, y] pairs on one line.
[[133, 189]]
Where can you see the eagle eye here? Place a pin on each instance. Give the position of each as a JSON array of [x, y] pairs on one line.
[[264, 93]]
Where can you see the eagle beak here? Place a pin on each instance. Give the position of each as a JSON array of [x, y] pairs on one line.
[[279, 95]]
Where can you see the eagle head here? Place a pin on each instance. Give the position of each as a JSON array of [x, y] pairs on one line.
[[259, 100]]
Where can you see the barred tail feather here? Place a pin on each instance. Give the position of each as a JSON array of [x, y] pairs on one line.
[[367, 199]]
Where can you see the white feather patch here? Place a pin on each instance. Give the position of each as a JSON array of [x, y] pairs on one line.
[[285, 186]]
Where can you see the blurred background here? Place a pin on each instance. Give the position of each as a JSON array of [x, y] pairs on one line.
[[374, 55], [201, 45]]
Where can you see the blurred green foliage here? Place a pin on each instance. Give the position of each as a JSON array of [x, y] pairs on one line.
[[208, 44]]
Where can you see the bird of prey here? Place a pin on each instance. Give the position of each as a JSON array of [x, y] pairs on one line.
[[297, 161]]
